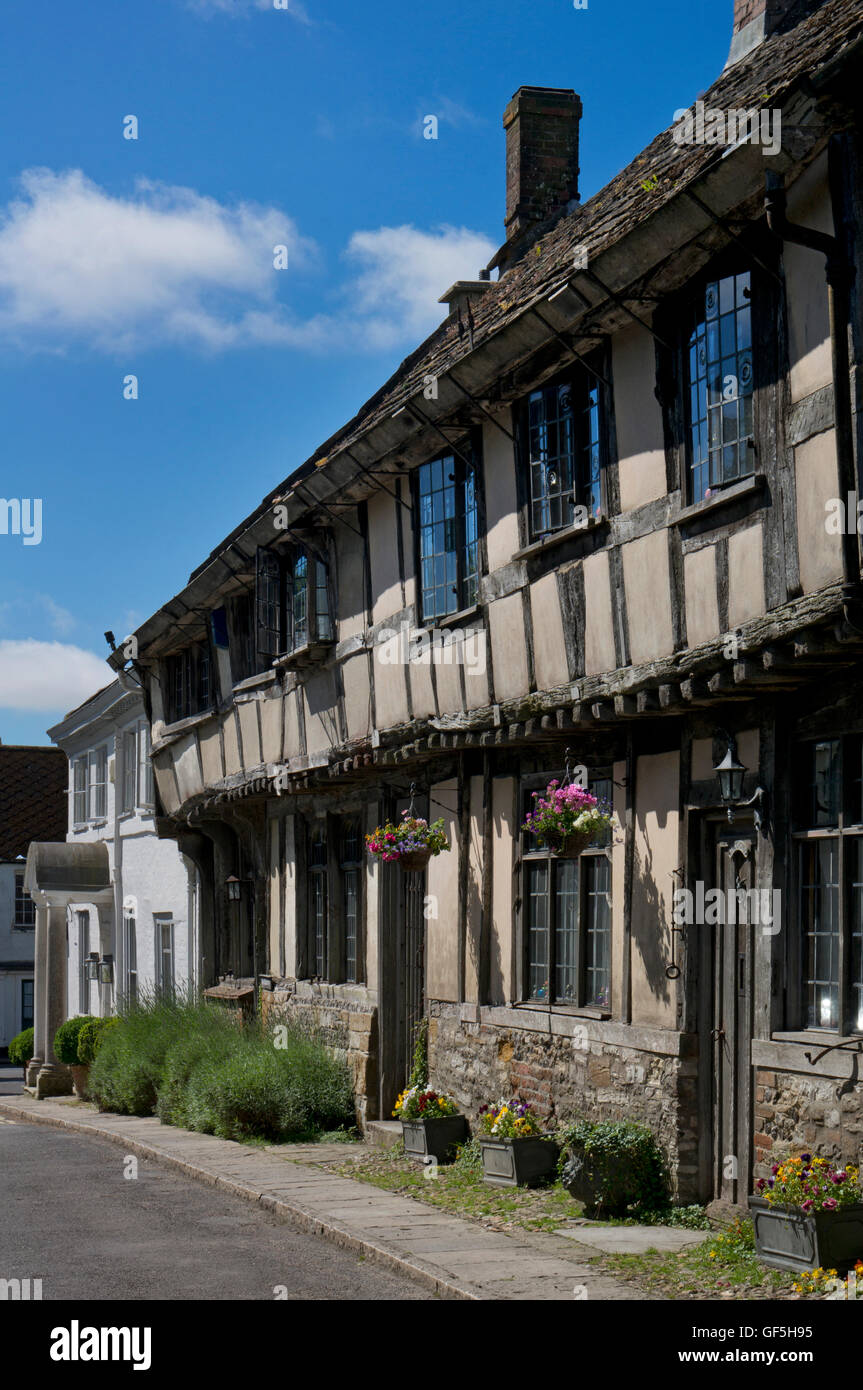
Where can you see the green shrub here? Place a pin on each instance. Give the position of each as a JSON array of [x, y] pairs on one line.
[[198, 1066], [66, 1038], [21, 1048], [215, 1039], [127, 1071], [262, 1090], [614, 1166], [91, 1036]]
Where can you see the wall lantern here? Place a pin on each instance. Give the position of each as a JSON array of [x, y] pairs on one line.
[[730, 774], [234, 888], [106, 970], [91, 965]]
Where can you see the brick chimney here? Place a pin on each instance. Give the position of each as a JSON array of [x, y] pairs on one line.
[[541, 125], [756, 20]]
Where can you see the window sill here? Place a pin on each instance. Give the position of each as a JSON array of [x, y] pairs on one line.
[[23, 926], [818, 1037], [308, 655], [253, 682], [570, 1010], [560, 537], [746, 487], [463, 615], [180, 726]]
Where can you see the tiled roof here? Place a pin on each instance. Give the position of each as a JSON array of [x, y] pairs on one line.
[[33, 802]]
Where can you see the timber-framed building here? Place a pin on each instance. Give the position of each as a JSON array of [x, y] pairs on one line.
[[594, 511]]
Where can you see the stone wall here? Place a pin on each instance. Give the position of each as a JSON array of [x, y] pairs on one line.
[[794, 1112], [347, 1018], [569, 1077]]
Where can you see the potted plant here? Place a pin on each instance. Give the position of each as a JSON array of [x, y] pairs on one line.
[[611, 1165], [410, 842], [515, 1152], [89, 1041], [66, 1050], [808, 1214], [432, 1125], [567, 818]]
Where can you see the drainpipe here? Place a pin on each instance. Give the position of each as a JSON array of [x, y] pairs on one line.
[[840, 279]]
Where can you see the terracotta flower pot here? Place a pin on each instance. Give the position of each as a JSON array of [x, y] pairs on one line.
[[80, 1078]]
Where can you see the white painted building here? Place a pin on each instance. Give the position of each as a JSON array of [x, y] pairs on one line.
[[148, 936]]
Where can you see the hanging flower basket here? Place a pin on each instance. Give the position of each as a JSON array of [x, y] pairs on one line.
[[572, 845], [410, 842], [414, 862], [566, 819]]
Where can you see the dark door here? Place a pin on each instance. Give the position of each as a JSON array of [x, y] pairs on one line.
[[731, 1032]]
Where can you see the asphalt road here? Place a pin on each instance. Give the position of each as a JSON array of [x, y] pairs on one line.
[[69, 1217]]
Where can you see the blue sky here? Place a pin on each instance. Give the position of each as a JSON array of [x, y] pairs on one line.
[[257, 127]]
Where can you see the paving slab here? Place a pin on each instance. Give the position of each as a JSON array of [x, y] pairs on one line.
[[633, 1240], [455, 1257]]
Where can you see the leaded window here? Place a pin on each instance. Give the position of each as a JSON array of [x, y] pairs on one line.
[[564, 449], [188, 682], [567, 913], [446, 500], [720, 382], [829, 842]]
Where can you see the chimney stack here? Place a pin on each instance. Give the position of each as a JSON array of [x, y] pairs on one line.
[[756, 20], [541, 125]]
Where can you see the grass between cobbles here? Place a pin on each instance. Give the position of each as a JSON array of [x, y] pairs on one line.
[[723, 1266]]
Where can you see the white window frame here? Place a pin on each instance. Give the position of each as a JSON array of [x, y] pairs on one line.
[[160, 921], [22, 899], [129, 770], [97, 757], [145, 794], [80, 795]]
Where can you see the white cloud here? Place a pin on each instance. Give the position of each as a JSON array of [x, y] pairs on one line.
[[167, 264], [48, 676], [77, 262], [404, 271], [240, 7]]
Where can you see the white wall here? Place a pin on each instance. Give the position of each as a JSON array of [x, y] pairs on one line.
[[149, 875]]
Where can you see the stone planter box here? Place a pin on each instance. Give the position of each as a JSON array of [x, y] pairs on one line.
[[434, 1138], [788, 1239], [80, 1080], [517, 1162]]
